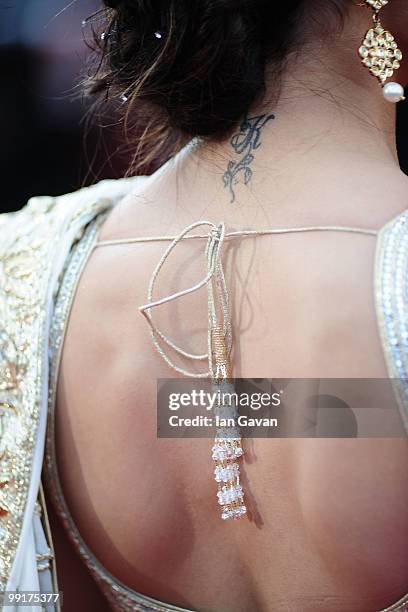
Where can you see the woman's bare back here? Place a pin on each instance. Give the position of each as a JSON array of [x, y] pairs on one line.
[[328, 523]]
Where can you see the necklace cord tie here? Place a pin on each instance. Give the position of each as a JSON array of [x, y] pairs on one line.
[[217, 294]]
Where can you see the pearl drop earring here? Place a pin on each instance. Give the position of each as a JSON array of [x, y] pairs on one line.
[[380, 53]]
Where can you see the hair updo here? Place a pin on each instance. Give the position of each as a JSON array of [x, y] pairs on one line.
[[185, 68]]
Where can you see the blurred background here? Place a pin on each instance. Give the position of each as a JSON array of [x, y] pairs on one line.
[[48, 147]]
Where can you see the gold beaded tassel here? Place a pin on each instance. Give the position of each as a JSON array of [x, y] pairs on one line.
[[380, 53], [227, 444]]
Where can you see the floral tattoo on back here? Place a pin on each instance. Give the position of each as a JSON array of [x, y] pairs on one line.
[[244, 144]]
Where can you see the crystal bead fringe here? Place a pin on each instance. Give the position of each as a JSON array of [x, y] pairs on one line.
[[227, 444]]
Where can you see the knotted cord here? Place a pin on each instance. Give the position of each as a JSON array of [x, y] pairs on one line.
[[214, 279]]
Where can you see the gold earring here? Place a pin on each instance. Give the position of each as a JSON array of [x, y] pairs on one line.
[[380, 53]]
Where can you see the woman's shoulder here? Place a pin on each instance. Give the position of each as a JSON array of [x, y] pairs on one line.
[[36, 240], [59, 210]]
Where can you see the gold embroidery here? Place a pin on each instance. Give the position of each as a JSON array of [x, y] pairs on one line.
[[29, 242], [23, 271]]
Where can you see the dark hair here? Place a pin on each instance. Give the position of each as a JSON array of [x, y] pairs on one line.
[[193, 67]]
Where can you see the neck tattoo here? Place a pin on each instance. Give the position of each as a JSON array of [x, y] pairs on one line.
[[244, 144]]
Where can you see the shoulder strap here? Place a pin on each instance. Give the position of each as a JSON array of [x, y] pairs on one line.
[[34, 244]]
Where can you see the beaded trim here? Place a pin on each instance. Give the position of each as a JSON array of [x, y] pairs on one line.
[[391, 302], [391, 299]]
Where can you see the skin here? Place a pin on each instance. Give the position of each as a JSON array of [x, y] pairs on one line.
[[328, 526]]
